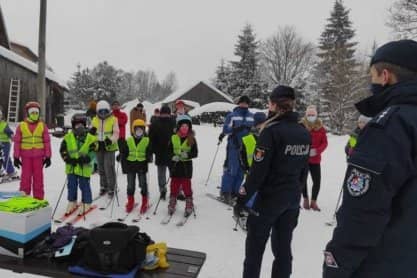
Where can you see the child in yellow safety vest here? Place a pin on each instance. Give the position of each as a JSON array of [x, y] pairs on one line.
[[6, 134], [249, 142], [77, 151], [32, 150], [353, 138], [182, 149], [136, 153]]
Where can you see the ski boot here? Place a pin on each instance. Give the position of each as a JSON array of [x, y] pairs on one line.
[[84, 208], [145, 205], [103, 191], [71, 207], [314, 206], [189, 206], [163, 195], [306, 204], [172, 204], [130, 203]]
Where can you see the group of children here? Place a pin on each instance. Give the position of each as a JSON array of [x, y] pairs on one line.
[[81, 144]]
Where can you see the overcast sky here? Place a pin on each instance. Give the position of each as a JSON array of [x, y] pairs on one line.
[[188, 37]]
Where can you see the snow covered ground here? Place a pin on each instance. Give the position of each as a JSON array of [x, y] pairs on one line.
[[212, 231]]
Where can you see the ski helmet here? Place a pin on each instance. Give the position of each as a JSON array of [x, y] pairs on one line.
[[184, 119], [78, 118], [103, 109], [32, 104]]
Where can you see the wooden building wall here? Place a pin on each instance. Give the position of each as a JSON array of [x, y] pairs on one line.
[[8, 70]]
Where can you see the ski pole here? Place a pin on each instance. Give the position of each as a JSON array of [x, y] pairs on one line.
[[212, 164], [59, 199], [159, 200], [338, 202], [115, 196]]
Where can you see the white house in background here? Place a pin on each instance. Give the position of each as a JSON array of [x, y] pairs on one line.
[[200, 94]]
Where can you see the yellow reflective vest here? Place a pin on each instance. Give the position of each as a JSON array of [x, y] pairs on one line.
[[76, 149], [107, 130], [137, 152], [32, 140], [178, 148], [3, 136], [249, 143]]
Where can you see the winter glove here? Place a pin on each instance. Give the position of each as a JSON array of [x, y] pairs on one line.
[[118, 157], [84, 159], [47, 162], [313, 152], [175, 158], [184, 155], [221, 136], [238, 209], [71, 161], [93, 131], [108, 142], [17, 163], [93, 147]]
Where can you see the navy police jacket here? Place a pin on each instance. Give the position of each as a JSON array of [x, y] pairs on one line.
[[376, 233], [281, 154]]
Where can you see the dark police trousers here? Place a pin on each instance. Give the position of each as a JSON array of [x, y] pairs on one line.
[[282, 222]]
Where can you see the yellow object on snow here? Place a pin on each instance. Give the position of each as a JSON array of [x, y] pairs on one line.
[[156, 256]]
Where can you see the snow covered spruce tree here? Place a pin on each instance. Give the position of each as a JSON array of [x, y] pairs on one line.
[[223, 75], [337, 71], [81, 87], [245, 78]]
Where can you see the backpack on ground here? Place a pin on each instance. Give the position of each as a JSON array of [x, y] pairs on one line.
[[115, 248]]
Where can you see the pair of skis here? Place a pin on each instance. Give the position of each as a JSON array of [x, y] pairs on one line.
[[137, 217], [67, 218], [70, 220], [180, 223]]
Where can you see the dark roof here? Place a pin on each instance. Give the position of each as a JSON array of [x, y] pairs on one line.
[[4, 38]]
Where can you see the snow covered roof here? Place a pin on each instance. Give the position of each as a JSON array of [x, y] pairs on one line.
[[218, 91], [212, 107], [179, 93], [15, 58]]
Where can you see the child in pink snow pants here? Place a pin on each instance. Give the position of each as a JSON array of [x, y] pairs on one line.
[[32, 151]]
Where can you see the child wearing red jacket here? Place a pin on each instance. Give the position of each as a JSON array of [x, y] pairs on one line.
[[318, 145], [182, 149]]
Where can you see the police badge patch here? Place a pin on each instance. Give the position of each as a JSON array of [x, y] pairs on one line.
[[259, 155], [358, 182]]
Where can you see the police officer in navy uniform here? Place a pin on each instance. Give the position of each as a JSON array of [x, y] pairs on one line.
[[281, 154], [376, 233]]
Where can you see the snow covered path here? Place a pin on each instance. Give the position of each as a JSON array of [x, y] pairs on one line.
[[212, 230]]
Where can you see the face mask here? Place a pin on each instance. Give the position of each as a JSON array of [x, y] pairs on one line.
[[34, 116], [138, 132], [311, 119], [184, 130], [80, 130], [271, 114], [376, 88], [103, 113]]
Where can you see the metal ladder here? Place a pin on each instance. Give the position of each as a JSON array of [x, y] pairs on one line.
[[14, 95]]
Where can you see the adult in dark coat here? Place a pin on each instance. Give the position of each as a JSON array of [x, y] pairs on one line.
[[160, 132], [376, 232]]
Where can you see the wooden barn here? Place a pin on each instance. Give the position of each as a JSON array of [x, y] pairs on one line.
[[18, 80], [198, 95]]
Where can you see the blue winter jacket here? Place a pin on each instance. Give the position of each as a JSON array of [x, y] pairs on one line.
[[238, 123]]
